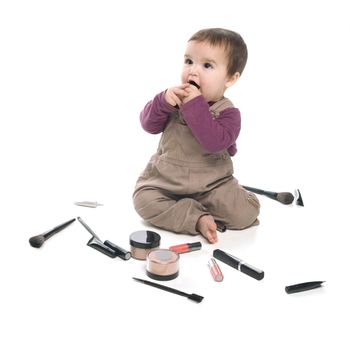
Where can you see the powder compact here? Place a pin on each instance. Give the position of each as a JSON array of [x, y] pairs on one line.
[[142, 242], [162, 264]]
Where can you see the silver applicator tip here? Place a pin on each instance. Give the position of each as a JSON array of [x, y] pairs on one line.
[[88, 204]]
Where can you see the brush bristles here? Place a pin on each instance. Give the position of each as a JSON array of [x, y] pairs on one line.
[[195, 297], [285, 197], [299, 199], [37, 241]]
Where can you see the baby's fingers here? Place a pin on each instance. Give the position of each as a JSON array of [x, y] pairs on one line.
[[180, 92], [177, 100]]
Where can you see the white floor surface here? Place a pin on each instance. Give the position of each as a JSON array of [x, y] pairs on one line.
[[74, 77]]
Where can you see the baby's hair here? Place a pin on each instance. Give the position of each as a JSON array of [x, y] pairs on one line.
[[232, 42]]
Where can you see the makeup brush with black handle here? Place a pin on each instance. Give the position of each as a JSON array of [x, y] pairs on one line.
[[282, 197], [38, 241]]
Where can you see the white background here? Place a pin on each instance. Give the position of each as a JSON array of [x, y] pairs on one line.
[[74, 76]]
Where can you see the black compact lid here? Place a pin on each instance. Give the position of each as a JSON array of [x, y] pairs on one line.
[[145, 239]]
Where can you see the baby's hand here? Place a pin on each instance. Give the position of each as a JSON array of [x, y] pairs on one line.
[[192, 92], [175, 95]]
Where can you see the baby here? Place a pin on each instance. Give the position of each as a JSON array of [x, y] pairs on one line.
[[188, 185]]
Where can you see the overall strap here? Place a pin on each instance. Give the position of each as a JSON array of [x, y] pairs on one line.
[[219, 106]]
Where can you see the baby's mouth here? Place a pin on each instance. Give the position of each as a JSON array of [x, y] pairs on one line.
[[194, 84]]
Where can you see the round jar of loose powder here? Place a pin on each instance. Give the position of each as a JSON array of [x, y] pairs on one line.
[[162, 264], [142, 242]]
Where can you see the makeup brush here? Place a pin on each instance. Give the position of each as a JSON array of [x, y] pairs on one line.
[[282, 197], [38, 241], [195, 297]]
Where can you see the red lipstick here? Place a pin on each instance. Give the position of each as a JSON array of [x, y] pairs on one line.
[[185, 248]]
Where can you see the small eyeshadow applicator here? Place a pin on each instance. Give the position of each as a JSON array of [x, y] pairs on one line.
[[195, 297]]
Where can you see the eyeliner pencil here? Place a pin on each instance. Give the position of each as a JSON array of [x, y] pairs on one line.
[[195, 297]]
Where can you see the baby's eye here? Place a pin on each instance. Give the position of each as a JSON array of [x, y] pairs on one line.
[[188, 61], [208, 65]]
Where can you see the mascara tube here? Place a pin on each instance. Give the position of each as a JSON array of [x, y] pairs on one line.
[[238, 264]]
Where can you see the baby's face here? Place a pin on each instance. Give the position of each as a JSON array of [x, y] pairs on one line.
[[206, 65]]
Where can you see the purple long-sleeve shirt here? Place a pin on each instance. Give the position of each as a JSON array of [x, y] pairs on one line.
[[213, 134]]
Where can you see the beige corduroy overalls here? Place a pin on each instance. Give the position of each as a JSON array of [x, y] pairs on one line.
[[183, 182]]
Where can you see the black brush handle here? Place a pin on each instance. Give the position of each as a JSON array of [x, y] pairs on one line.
[[165, 288], [57, 229], [270, 194], [253, 189]]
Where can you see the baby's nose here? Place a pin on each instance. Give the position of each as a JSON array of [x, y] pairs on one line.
[[194, 69]]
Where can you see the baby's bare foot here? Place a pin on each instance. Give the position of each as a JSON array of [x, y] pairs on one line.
[[207, 227]]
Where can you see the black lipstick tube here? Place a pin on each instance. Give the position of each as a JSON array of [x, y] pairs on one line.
[[238, 264]]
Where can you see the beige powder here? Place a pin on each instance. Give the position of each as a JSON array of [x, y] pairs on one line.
[[162, 264], [142, 242], [140, 253]]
